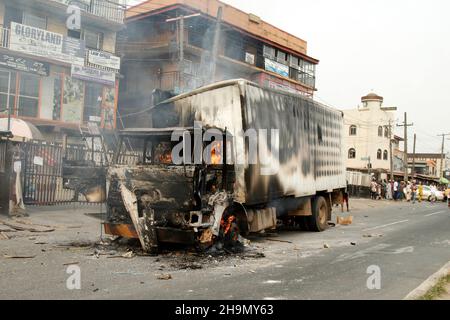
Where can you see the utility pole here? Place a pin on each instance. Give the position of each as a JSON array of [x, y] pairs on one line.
[[181, 20], [406, 125], [8, 106], [391, 152], [413, 173], [215, 49], [443, 153]]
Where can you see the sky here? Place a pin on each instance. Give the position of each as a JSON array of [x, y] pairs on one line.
[[399, 49]]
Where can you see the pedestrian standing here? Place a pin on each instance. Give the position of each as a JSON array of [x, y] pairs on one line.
[[396, 190], [389, 190], [379, 191], [401, 190], [414, 192], [433, 193], [373, 189], [345, 201], [420, 191], [408, 191]]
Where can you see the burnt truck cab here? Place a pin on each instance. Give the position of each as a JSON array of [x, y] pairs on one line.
[[159, 201], [284, 163]]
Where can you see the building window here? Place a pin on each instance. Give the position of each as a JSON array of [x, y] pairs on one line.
[[269, 52], [234, 48], [93, 102], [35, 21], [385, 155], [282, 57], [94, 40], [386, 131], [294, 62], [12, 15], [74, 33], [380, 131], [28, 103], [379, 154], [7, 90], [353, 130], [352, 154]]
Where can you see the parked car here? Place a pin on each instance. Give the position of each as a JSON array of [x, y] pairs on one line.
[[427, 194]]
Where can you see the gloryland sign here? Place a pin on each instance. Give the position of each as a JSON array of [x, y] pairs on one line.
[[47, 44], [104, 59], [94, 75]]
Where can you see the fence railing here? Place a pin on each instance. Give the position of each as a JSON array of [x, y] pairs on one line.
[[110, 10], [42, 172]]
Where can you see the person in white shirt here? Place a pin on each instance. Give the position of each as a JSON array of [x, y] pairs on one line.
[[396, 190], [433, 193]]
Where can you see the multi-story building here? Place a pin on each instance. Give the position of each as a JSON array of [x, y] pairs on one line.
[[368, 133], [427, 164], [168, 45], [399, 155], [54, 72]]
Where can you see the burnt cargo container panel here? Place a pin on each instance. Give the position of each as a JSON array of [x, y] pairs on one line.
[[308, 159]]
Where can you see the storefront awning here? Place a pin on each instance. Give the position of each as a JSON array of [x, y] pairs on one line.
[[21, 129]]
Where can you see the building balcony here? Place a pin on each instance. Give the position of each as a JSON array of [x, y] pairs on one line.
[[161, 47], [101, 8]]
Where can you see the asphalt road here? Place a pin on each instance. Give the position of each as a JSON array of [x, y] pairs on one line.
[[407, 244]]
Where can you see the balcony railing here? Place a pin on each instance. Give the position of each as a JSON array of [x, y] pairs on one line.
[[108, 10], [4, 37]]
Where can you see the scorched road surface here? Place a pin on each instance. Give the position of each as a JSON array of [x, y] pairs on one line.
[[407, 243]]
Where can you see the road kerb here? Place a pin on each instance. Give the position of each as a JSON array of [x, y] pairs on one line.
[[428, 284]]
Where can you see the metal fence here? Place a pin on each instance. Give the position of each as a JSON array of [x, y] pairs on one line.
[[42, 174], [42, 164]]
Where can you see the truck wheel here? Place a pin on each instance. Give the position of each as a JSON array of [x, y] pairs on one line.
[[318, 222]]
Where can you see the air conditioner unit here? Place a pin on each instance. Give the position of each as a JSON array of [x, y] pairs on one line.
[[250, 58]]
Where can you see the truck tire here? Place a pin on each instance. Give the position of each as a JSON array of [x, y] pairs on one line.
[[318, 222]]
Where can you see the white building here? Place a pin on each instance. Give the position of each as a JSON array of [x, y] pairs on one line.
[[367, 134]]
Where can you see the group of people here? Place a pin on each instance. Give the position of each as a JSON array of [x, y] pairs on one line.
[[411, 191]]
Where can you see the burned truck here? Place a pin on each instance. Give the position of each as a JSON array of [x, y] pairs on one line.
[[224, 161]]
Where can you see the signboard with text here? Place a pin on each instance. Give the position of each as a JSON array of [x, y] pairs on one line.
[[276, 67], [43, 43], [104, 59], [24, 64], [94, 75]]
